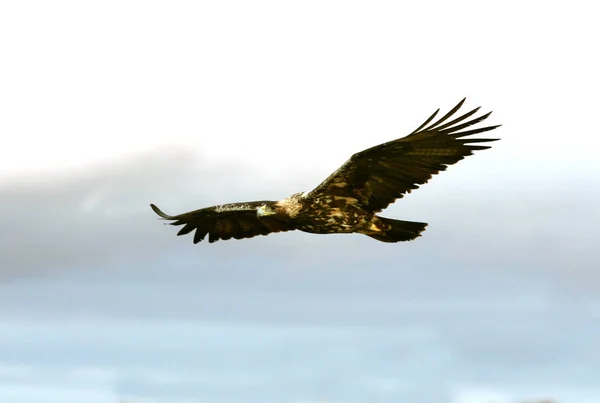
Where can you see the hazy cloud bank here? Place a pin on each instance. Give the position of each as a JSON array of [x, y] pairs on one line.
[[100, 216]]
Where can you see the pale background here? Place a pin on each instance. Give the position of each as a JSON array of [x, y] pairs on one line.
[[108, 106]]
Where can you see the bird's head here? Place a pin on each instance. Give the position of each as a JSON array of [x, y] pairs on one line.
[[265, 211]]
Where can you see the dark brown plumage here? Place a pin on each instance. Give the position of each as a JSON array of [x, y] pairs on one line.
[[348, 200], [235, 220]]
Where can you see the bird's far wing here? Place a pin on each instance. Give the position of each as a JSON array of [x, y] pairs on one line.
[[235, 220], [381, 174]]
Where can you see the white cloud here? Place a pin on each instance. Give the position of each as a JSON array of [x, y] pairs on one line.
[[277, 85]]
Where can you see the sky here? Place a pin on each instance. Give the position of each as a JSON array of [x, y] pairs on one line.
[[109, 106]]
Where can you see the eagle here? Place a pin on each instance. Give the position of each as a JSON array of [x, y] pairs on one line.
[[350, 198]]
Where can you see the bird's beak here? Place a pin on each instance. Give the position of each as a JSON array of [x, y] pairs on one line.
[[263, 211]]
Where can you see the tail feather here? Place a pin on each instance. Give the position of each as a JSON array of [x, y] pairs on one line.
[[398, 231]]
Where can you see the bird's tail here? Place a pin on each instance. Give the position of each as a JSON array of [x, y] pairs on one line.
[[397, 230]]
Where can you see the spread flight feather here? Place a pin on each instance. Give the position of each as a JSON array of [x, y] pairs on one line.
[[348, 200]]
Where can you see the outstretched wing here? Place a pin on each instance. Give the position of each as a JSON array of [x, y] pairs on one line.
[[235, 220], [381, 174]]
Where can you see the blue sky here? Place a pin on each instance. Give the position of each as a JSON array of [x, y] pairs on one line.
[[107, 107]]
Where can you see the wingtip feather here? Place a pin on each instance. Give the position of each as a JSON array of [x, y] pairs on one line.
[[160, 213]]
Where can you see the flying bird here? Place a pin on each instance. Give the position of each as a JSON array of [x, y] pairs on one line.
[[350, 198]]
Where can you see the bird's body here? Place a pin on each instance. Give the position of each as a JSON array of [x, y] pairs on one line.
[[349, 199], [324, 215]]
